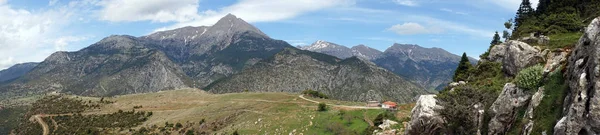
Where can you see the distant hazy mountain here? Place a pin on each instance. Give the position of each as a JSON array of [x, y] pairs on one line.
[[294, 70], [16, 71], [432, 68], [342, 52]]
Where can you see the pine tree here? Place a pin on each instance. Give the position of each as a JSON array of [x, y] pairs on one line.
[[542, 7], [508, 25], [523, 12], [496, 39], [461, 73]]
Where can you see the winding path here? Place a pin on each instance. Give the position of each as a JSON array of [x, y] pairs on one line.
[[42, 123], [341, 106]]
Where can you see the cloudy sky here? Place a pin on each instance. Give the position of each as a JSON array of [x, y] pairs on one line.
[[31, 30]]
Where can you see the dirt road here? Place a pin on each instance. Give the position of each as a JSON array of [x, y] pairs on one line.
[[42, 123], [341, 106]]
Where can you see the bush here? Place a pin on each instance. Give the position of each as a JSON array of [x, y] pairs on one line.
[[322, 107], [530, 78], [316, 94], [457, 107]]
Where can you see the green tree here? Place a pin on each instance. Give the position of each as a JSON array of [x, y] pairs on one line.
[[458, 108], [322, 107], [461, 73], [496, 39], [523, 12], [505, 35], [508, 25]]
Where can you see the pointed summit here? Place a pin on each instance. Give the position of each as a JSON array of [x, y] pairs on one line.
[[234, 25]]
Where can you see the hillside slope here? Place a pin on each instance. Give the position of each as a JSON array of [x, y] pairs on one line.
[[294, 70]]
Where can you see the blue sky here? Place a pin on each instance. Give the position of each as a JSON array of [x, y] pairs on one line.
[[31, 30]]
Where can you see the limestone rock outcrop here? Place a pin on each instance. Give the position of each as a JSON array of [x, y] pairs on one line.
[[425, 120], [505, 108], [582, 104], [515, 56]]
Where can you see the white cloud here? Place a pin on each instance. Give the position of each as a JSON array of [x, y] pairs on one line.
[[153, 10], [411, 28], [263, 11], [512, 5], [52, 2], [411, 3], [454, 12], [30, 36], [429, 25]]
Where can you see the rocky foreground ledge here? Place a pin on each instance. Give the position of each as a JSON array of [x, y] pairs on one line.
[[581, 108]]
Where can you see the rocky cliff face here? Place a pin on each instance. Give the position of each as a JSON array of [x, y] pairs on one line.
[[295, 70], [582, 104], [16, 71]]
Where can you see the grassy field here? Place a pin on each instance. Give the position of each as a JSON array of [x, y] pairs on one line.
[[246, 113]]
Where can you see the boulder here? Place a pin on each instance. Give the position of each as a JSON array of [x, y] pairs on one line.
[[515, 56], [536, 39], [505, 108], [425, 120], [582, 103], [554, 59]]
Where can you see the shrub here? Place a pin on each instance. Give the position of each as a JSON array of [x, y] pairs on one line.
[[530, 77], [313, 93], [322, 107]]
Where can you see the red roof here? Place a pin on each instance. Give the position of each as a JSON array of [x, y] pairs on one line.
[[390, 103]]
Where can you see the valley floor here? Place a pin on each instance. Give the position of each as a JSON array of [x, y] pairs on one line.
[[246, 113]]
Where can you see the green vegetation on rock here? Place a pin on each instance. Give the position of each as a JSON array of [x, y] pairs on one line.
[[549, 111], [530, 78]]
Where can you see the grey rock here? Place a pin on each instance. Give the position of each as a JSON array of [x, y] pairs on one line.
[[554, 59], [424, 118], [533, 103], [505, 108], [582, 104], [533, 39], [515, 56]]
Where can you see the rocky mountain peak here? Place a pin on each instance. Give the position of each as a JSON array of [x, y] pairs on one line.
[[319, 44], [234, 25], [114, 42], [364, 51]]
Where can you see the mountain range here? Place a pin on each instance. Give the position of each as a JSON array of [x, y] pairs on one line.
[[216, 56], [431, 68], [347, 79]]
